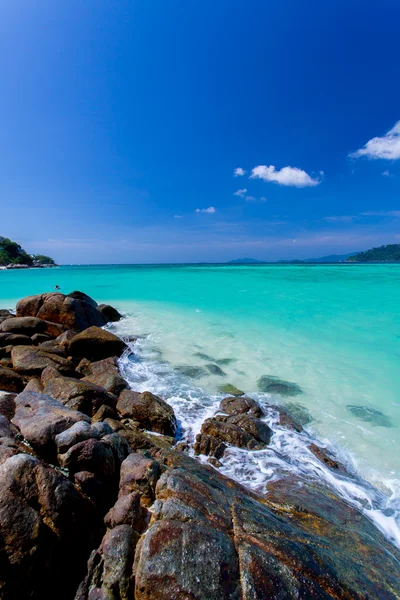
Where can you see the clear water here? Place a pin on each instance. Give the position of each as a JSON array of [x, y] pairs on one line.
[[333, 330]]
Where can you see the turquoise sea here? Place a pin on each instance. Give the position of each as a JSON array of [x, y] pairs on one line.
[[334, 330]]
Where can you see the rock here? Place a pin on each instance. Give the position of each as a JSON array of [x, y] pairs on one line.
[[139, 473], [7, 404], [10, 381], [231, 434], [180, 544], [49, 373], [34, 385], [370, 415], [110, 567], [136, 439], [64, 339], [90, 455], [29, 360], [323, 455], [109, 313], [40, 419], [76, 313], [40, 338], [215, 370], [5, 314], [29, 326], [83, 297], [53, 347], [14, 339], [150, 410], [230, 389], [78, 432], [78, 394], [236, 406], [273, 385], [285, 419], [258, 429], [95, 344], [104, 412], [106, 374], [45, 525], [128, 511], [209, 445], [191, 371]]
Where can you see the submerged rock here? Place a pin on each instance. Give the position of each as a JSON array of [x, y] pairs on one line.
[[232, 390], [204, 356], [370, 415], [191, 371], [215, 370], [273, 385]]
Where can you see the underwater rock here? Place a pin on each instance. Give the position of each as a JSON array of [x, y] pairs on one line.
[[273, 385], [232, 390], [370, 415], [215, 370], [191, 371]]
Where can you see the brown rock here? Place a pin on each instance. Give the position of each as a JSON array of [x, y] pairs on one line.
[[106, 374], [103, 413], [90, 455], [259, 430], [40, 419], [209, 445], [7, 404], [231, 434], [139, 473], [236, 406], [34, 385], [40, 338], [10, 381], [95, 344], [29, 360], [149, 410], [109, 313], [128, 511], [30, 326], [79, 394], [14, 339]]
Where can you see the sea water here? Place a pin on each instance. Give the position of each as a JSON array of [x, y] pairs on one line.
[[334, 330]]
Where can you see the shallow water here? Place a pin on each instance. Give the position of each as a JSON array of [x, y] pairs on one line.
[[334, 331]]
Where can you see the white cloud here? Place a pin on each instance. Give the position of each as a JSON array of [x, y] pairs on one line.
[[240, 193], [387, 146], [210, 210], [386, 173], [291, 176], [340, 219], [239, 172], [381, 213], [263, 199], [250, 199]]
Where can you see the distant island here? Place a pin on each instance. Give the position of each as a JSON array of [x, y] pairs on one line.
[[332, 258], [387, 253], [13, 256]]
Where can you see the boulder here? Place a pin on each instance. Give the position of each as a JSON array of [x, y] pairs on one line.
[[82, 297], [95, 344], [79, 432], [40, 338], [258, 429], [128, 511], [14, 339], [209, 445], [90, 455], [106, 374], [41, 418], [72, 312], [7, 404], [109, 313], [236, 406], [30, 326], [34, 385], [139, 473], [45, 525], [103, 413], [10, 381], [215, 370], [228, 388], [30, 360], [5, 314], [78, 394], [136, 440], [149, 410], [231, 434]]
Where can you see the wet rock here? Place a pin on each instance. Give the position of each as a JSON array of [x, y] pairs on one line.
[[259, 430], [228, 388], [273, 385], [230, 433], [105, 373], [298, 413], [110, 567], [95, 344], [109, 313], [236, 406], [30, 360], [139, 473], [76, 313], [10, 381], [128, 511], [14, 339], [149, 410], [285, 419], [41, 418], [370, 415], [78, 394], [325, 457], [209, 445], [136, 439], [204, 356], [215, 370], [29, 326], [191, 371], [45, 525], [214, 462], [225, 361]]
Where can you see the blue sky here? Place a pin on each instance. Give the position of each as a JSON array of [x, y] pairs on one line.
[[123, 121]]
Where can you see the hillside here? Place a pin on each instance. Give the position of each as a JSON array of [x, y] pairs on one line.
[[11, 253], [388, 253]]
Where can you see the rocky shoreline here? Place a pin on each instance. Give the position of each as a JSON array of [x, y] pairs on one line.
[[100, 501]]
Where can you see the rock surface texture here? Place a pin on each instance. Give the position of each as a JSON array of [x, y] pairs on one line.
[[96, 503]]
